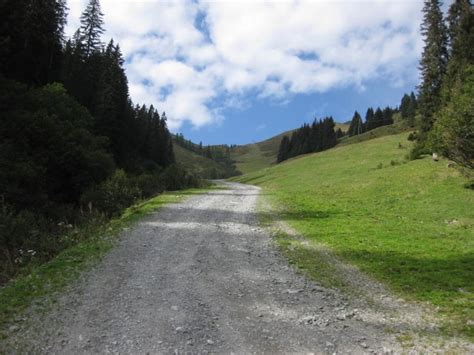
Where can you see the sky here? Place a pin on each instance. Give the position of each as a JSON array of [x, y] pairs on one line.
[[237, 72]]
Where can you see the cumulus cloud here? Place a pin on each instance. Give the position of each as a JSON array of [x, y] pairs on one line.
[[193, 59]]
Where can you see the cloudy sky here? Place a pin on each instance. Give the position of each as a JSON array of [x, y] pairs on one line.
[[241, 71]]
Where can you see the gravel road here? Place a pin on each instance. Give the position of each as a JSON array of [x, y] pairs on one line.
[[201, 276]]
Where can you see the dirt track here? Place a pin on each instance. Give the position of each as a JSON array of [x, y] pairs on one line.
[[201, 276]]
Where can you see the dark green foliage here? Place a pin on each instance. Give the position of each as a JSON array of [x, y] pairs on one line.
[[469, 185], [111, 196], [413, 136], [176, 177], [370, 119], [48, 153], [59, 145], [433, 62], [91, 28], [378, 118], [453, 132], [458, 10], [318, 136], [357, 126], [450, 129], [31, 34], [407, 108], [284, 149]]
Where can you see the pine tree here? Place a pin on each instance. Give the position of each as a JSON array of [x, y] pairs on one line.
[[356, 126], [411, 112], [284, 150], [405, 106], [92, 27], [433, 62], [378, 117], [387, 116], [369, 119], [461, 38], [457, 12]]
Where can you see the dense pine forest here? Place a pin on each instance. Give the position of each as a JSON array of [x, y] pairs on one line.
[[74, 148], [443, 111]]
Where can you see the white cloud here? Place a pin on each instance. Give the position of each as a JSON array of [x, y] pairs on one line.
[[274, 49]]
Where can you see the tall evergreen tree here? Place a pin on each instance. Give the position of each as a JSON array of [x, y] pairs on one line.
[[433, 61], [458, 10], [92, 27], [387, 116], [378, 117], [284, 149], [370, 119], [357, 126], [411, 112], [461, 37], [405, 106]]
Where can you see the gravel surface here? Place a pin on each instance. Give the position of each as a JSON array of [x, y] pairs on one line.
[[201, 276]]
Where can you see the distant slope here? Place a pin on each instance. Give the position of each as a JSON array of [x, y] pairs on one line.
[[197, 164], [256, 156], [410, 224]]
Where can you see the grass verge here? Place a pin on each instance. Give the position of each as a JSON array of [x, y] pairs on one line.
[[409, 224], [54, 275]]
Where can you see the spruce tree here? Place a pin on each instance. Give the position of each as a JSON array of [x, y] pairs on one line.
[[457, 12], [378, 118], [387, 116], [405, 106], [433, 62], [283, 151], [356, 126], [369, 119], [92, 27]]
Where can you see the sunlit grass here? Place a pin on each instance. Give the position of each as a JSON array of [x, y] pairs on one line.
[[410, 224]]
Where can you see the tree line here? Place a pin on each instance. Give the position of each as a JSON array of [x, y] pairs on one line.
[[71, 139], [318, 136]]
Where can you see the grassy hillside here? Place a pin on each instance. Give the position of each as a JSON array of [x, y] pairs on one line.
[[256, 156], [196, 163], [410, 224]]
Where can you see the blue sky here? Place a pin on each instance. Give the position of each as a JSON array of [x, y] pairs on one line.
[[242, 71]]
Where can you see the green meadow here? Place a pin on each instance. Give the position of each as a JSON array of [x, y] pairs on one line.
[[409, 224]]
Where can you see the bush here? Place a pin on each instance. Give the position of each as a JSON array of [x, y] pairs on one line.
[[413, 136], [469, 185], [150, 184], [418, 150], [113, 195], [176, 177]]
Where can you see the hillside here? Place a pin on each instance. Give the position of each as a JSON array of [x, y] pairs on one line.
[[407, 223], [256, 156], [197, 164]]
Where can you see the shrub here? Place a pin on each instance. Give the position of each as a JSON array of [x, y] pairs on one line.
[[176, 177], [150, 184], [413, 136], [418, 150], [113, 195], [469, 184]]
